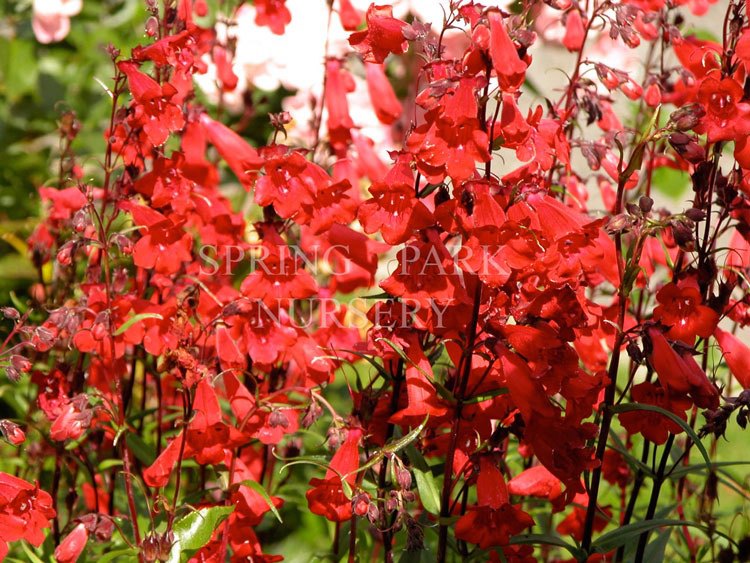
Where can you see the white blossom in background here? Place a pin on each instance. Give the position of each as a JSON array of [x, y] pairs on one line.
[[51, 20]]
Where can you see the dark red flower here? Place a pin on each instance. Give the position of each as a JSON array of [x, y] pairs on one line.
[[493, 520], [681, 310]]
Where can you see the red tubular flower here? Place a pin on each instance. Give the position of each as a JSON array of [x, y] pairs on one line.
[[510, 69], [575, 33], [327, 497], [25, 512], [384, 101], [493, 520], [681, 310], [272, 13], [538, 482], [393, 210], [350, 17], [680, 372], [384, 35], [736, 355], [339, 83], [240, 156], [422, 399], [727, 117], [72, 546], [154, 109], [654, 426]]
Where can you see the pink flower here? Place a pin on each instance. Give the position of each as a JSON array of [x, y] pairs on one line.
[[51, 21]]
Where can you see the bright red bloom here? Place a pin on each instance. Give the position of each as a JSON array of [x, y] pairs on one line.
[[680, 372], [25, 512], [736, 355], [72, 546], [339, 83], [510, 69], [238, 154], [384, 35], [575, 34], [654, 426], [327, 497], [681, 310], [394, 210], [493, 520], [727, 117], [272, 13], [538, 482], [154, 109], [164, 245], [383, 98]]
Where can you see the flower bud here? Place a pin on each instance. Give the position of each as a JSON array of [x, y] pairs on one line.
[[687, 117], [646, 204], [12, 432], [695, 214], [403, 476]]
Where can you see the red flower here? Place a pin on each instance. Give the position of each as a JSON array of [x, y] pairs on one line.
[[154, 110], [727, 117], [164, 245], [384, 35], [72, 546], [238, 154], [339, 83], [538, 482], [681, 310], [327, 497], [510, 69], [272, 13], [422, 399], [654, 426], [384, 101], [575, 34], [25, 512], [736, 355], [12, 432], [493, 520], [680, 372], [393, 210]]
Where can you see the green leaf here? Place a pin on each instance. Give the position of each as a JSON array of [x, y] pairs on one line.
[[628, 407], [33, 557], [134, 319], [127, 554], [545, 539], [258, 488], [624, 534], [195, 530], [141, 449], [429, 494]]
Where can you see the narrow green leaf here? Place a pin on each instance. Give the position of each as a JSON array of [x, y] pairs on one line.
[[545, 539], [625, 534], [628, 407], [427, 488], [134, 319], [258, 488]]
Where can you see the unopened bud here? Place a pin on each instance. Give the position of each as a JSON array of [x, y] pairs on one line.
[[687, 117], [645, 203], [12, 432]]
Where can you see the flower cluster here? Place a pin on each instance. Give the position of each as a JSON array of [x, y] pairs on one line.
[[532, 316]]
